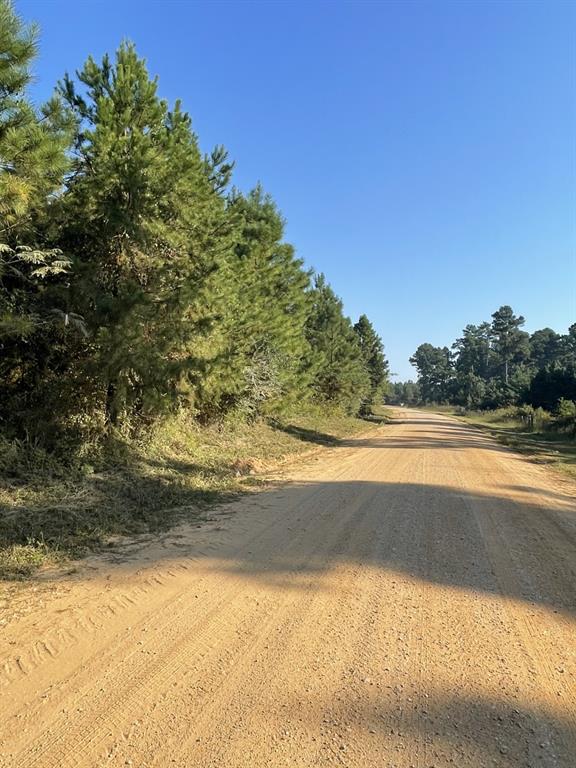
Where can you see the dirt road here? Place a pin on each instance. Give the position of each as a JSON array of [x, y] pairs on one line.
[[406, 600]]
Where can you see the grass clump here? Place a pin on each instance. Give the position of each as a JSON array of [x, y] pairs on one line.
[[19, 561]]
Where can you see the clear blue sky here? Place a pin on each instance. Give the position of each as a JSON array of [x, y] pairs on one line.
[[423, 153]]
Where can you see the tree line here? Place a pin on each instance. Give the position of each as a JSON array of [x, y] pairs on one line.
[[136, 280], [497, 364]]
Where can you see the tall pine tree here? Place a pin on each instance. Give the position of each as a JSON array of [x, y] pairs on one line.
[[261, 333], [375, 361], [34, 320], [145, 217], [510, 343], [342, 378]]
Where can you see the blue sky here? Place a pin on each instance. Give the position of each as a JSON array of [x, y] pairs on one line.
[[423, 153]]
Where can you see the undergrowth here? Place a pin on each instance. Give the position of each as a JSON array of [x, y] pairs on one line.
[[52, 508], [543, 437]]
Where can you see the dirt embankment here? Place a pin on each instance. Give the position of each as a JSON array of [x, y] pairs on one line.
[[405, 600]]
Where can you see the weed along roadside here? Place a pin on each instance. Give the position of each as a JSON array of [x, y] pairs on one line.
[[535, 434], [53, 513]]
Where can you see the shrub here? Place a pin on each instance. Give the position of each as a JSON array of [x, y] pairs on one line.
[[566, 416], [526, 415], [542, 419]]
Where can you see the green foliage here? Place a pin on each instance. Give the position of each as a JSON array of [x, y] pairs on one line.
[[145, 219], [134, 284], [375, 361], [551, 384], [341, 376], [544, 347], [36, 321], [260, 334], [497, 365], [566, 416], [470, 389], [32, 145], [474, 353], [510, 343], [435, 372], [404, 393], [567, 348]]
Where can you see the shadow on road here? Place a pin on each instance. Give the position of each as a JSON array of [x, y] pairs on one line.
[[483, 731], [494, 544]]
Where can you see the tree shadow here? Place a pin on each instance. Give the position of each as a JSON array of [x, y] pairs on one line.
[[500, 543], [445, 727], [315, 437], [418, 442], [442, 535], [565, 497], [79, 518], [308, 435], [419, 420]]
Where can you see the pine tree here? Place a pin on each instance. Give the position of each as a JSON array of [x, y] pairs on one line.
[[567, 346], [34, 320], [32, 165], [32, 145], [474, 359], [435, 372], [375, 361], [544, 347], [473, 350], [510, 343], [146, 220], [342, 378], [261, 335]]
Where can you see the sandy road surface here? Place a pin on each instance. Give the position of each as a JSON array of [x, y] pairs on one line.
[[406, 600]]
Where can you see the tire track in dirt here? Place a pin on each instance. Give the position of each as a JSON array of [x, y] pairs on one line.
[[326, 608]]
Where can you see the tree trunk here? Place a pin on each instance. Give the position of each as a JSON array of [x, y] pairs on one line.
[[111, 408]]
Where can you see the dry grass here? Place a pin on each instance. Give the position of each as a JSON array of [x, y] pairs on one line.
[[51, 512], [542, 446]]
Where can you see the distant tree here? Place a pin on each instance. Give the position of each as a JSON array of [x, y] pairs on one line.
[[498, 364], [510, 343], [403, 392], [544, 347], [469, 390], [411, 392], [435, 372], [567, 347], [550, 385], [473, 350], [375, 360]]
